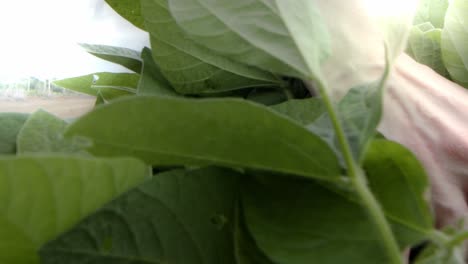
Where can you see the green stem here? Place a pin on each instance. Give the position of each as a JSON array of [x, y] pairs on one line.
[[458, 239], [439, 238], [359, 182]]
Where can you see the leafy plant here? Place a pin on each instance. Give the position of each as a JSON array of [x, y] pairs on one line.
[[248, 165]]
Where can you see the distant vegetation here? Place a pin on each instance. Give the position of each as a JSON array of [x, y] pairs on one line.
[[31, 86]]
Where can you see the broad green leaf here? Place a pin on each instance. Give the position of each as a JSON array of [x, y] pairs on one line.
[[128, 58], [425, 47], [392, 169], [286, 37], [191, 68], [455, 41], [130, 10], [43, 132], [227, 132], [152, 82], [43, 196], [432, 11], [110, 85], [177, 217], [245, 249], [305, 111], [296, 221], [11, 124]]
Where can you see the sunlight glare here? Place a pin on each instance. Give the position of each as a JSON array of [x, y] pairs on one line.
[[390, 8], [39, 38]]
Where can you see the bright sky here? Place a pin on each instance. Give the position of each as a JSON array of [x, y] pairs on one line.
[[38, 38]]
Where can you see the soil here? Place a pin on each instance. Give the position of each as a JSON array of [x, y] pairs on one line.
[[64, 106]]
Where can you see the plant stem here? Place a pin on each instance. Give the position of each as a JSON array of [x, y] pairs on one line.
[[378, 217], [359, 182]]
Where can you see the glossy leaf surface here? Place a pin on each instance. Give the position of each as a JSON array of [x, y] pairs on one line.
[[228, 132]]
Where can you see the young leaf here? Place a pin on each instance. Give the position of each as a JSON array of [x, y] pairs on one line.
[[43, 132], [425, 47], [43, 196], [191, 68], [455, 42], [152, 81], [130, 10], [359, 111], [432, 11], [11, 124], [177, 217], [110, 85], [227, 132], [128, 58], [286, 37]]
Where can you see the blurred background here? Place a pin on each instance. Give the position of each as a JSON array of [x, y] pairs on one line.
[[39, 42]]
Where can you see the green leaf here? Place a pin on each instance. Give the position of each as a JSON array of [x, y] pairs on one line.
[[11, 124], [130, 10], [305, 111], [178, 217], [455, 42], [359, 112], [110, 85], [152, 81], [246, 250], [296, 221], [425, 45], [43, 132], [191, 68], [43, 196], [128, 58], [432, 11], [285, 37], [392, 169], [227, 132]]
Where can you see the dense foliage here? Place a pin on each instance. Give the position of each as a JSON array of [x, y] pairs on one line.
[[214, 150]]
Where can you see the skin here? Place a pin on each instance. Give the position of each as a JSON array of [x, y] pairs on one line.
[[422, 110], [429, 115]]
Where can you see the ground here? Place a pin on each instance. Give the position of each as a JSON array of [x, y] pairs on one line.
[[63, 106]]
